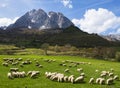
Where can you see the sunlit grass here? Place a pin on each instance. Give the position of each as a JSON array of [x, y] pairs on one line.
[[43, 82]]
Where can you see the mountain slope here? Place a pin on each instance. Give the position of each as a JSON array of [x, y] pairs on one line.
[[34, 38], [39, 19]]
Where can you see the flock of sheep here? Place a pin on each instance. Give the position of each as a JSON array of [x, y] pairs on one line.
[[105, 77]]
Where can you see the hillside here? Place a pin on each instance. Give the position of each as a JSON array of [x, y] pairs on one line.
[[34, 38]]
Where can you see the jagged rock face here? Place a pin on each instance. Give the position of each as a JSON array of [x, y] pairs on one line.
[[39, 19]]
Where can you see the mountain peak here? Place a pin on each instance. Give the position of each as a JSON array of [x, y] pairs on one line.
[[39, 19]]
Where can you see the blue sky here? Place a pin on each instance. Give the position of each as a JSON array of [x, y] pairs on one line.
[[93, 16]]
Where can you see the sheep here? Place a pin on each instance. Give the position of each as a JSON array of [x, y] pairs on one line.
[[66, 70], [65, 78], [40, 66], [60, 77], [9, 75], [109, 81], [82, 74], [34, 74], [116, 77], [19, 59], [29, 72], [91, 81], [111, 74], [80, 69], [48, 74], [22, 74], [64, 65], [100, 81], [71, 78], [5, 64], [79, 79], [103, 75], [14, 69]]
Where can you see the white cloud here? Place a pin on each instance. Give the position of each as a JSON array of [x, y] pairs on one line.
[[67, 3], [118, 31], [7, 21], [3, 5], [98, 21]]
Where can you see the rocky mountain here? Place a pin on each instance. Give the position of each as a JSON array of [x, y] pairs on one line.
[[39, 19], [3, 27], [112, 37]]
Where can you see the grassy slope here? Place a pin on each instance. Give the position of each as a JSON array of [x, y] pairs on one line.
[[42, 82]]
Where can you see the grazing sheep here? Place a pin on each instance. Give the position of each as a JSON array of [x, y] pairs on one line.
[[111, 74], [64, 65], [71, 78], [29, 72], [79, 79], [66, 70], [9, 75], [103, 75], [102, 81], [34, 74], [65, 78], [80, 69], [91, 81], [82, 74], [60, 77], [109, 81], [98, 80], [40, 66], [5, 64], [14, 69], [116, 77]]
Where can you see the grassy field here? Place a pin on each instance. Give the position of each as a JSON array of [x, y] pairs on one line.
[[43, 82]]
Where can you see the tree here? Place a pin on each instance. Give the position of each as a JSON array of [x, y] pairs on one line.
[[56, 48], [45, 47], [118, 56]]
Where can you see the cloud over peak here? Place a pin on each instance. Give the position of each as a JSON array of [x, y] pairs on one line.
[[7, 21], [98, 21], [67, 3]]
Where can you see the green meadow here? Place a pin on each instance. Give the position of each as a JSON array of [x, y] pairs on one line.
[[42, 82]]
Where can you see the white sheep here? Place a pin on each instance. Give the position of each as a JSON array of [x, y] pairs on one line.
[[71, 78], [66, 70], [109, 81], [82, 74], [91, 81], [79, 79], [80, 69], [5, 64], [102, 81], [60, 77], [34, 74], [116, 77], [111, 74], [14, 69], [9, 75], [98, 80], [65, 78]]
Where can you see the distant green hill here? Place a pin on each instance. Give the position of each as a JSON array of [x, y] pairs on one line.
[[34, 38]]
